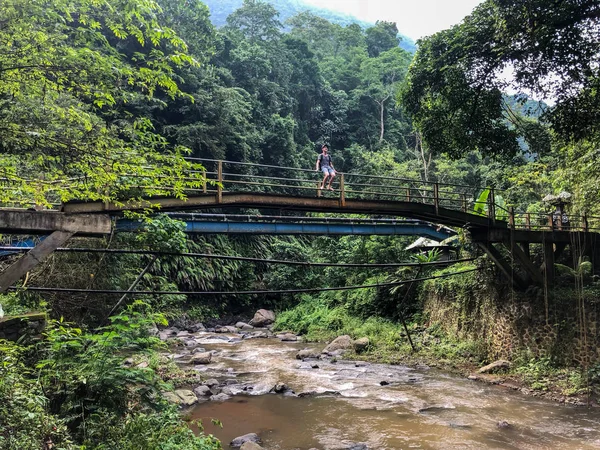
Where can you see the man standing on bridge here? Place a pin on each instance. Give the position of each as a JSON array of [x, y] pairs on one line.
[[326, 165]]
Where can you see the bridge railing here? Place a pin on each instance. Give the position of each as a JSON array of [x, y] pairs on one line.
[[553, 222], [223, 176]]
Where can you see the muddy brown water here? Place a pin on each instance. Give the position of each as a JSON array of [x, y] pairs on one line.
[[419, 408]]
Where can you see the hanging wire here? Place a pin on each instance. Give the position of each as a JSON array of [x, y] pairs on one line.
[[256, 292]]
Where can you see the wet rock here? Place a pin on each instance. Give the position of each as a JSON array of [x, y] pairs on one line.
[[262, 318], [256, 334], [244, 326], [195, 328], [187, 397], [360, 364], [171, 331], [183, 334], [250, 446], [211, 383], [359, 446], [494, 367], [201, 358], [307, 353], [202, 391], [435, 408], [339, 343], [240, 440], [227, 329], [314, 366], [503, 424], [190, 343], [384, 383], [199, 350], [360, 345], [315, 393], [279, 388], [287, 337], [153, 330], [219, 397], [473, 377]]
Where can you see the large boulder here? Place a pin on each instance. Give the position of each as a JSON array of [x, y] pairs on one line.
[[496, 366], [201, 358], [262, 318], [360, 345], [241, 440], [339, 343]]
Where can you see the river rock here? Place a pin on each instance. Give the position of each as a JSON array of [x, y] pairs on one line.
[[199, 326], [219, 397], [256, 334], [211, 382], [227, 329], [503, 424], [279, 388], [339, 343], [172, 397], [250, 446], [199, 350], [262, 318], [307, 353], [201, 358], [359, 446], [188, 398], [202, 391], [287, 337], [241, 440], [496, 366], [244, 326], [360, 345]]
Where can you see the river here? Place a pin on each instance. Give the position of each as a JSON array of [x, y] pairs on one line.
[[382, 406]]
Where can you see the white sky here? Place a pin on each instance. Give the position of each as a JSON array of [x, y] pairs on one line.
[[415, 18]]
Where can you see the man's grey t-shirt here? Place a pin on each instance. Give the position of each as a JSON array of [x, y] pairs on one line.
[[325, 160]]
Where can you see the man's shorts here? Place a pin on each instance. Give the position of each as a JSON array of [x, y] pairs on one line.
[[327, 170]]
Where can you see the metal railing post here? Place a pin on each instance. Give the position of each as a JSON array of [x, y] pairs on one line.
[[550, 222], [319, 193], [463, 198], [408, 194], [436, 197], [584, 223], [342, 191], [528, 221], [219, 181], [204, 188]]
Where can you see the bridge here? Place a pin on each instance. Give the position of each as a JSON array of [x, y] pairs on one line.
[[504, 234]]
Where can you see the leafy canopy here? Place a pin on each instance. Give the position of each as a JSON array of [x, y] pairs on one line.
[[545, 48]]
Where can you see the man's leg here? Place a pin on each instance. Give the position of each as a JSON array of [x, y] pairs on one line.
[[331, 177], [324, 180]]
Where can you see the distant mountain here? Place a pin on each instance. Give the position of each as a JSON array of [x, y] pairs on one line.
[[220, 9]]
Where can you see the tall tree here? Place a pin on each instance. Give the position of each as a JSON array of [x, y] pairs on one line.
[[546, 48], [382, 37]]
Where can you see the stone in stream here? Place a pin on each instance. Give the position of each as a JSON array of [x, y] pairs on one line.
[[219, 397], [202, 391], [244, 326], [287, 337], [250, 446], [496, 366], [360, 345], [384, 383], [201, 358], [226, 329], [211, 382], [262, 318], [339, 343], [241, 440], [199, 350], [435, 408], [196, 327], [307, 353], [256, 334], [279, 388], [503, 424]]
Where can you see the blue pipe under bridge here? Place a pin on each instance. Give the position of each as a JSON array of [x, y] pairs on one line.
[[293, 225]]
